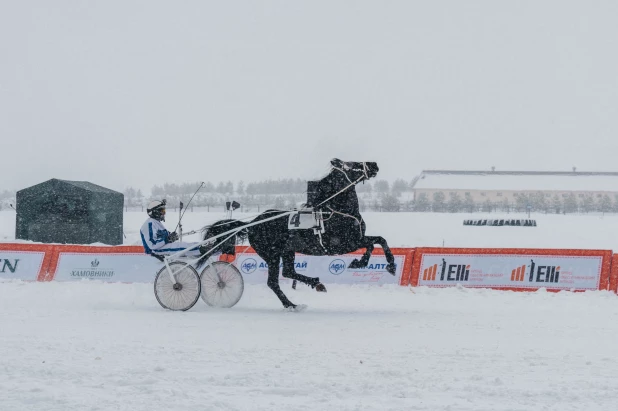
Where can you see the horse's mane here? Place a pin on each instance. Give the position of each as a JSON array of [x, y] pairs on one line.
[[325, 173], [319, 190]]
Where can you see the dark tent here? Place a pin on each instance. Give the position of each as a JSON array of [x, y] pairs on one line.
[[69, 212]]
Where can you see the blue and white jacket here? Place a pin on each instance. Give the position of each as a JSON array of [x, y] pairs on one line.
[[154, 235]]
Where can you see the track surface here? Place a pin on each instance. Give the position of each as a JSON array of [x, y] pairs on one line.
[[95, 346]]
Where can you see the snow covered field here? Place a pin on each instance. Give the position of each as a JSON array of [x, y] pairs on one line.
[[96, 346], [437, 229], [593, 231]]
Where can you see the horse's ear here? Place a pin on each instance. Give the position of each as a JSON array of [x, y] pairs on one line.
[[336, 162]]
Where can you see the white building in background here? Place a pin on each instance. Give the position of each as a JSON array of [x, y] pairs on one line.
[[505, 186]]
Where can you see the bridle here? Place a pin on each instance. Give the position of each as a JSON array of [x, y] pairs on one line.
[[363, 170]]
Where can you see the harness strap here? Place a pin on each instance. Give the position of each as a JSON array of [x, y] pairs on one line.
[[340, 191], [360, 227]]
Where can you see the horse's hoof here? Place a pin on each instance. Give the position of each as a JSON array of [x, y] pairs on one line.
[[320, 288], [296, 308], [356, 264], [391, 268]]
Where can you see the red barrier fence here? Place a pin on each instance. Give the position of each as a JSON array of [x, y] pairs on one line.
[[512, 269], [508, 269]]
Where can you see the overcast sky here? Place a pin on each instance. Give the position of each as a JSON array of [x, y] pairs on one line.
[[139, 93]]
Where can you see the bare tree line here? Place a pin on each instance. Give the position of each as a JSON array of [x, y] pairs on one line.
[[254, 196], [379, 195], [6, 198]]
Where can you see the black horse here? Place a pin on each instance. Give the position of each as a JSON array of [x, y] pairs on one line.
[[343, 228]]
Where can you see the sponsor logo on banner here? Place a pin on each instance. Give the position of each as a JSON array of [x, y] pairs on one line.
[[520, 271], [543, 273], [248, 266], [6, 264], [108, 266], [376, 266], [298, 265], [93, 272], [336, 267], [448, 272], [22, 265]]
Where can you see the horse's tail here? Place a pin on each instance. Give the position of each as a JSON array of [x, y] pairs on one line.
[[222, 243]]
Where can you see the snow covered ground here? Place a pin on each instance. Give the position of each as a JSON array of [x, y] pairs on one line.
[[96, 346], [592, 231]]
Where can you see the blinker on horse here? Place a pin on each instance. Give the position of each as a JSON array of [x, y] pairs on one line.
[[339, 229]]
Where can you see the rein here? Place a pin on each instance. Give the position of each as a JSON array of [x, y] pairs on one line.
[[360, 226], [342, 190]]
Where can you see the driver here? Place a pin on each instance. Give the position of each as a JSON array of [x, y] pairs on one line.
[[157, 240]]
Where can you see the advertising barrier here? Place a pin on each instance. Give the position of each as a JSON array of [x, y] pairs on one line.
[[130, 264], [28, 262], [512, 269], [111, 264], [330, 269], [507, 269]]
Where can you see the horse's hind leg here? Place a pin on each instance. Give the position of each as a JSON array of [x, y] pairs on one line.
[[273, 281], [290, 272]]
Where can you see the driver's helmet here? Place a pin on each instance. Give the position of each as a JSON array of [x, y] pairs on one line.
[[156, 210]]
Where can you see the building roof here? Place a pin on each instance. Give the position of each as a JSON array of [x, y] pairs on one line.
[[517, 180]]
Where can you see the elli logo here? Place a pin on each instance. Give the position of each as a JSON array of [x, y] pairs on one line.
[[336, 267], [543, 274], [94, 263], [248, 266], [448, 272]]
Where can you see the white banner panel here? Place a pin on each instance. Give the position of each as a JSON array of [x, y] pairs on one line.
[[330, 269], [125, 267], [21, 265], [511, 271], [110, 267]]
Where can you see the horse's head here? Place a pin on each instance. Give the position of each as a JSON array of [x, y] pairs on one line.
[[338, 186], [356, 171]]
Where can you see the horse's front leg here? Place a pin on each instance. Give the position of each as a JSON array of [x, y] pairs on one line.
[[368, 242], [273, 282], [362, 263]]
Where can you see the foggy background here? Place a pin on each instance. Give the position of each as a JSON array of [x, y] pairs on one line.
[[139, 93]]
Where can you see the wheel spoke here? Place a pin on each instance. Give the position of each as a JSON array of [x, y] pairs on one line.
[[232, 285], [183, 298]]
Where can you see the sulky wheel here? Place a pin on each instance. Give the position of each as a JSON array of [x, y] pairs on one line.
[[182, 295], [222, 285]]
